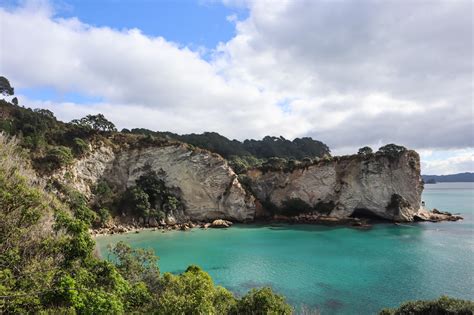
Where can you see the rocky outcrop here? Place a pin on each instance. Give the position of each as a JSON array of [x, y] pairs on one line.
[[205, 183], [435, 216], [375, 185], [85, 172], [334, 189]]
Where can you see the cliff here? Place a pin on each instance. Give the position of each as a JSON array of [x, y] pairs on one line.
[[205, 183], [375, 185]]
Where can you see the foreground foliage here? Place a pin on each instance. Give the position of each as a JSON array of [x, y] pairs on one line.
[[47, 263], [442, 306]]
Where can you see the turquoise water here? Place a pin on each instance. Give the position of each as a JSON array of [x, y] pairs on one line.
[[335, 270]]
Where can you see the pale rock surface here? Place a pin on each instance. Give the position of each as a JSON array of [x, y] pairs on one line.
[[206, 184], [210, 189], [350, 183]]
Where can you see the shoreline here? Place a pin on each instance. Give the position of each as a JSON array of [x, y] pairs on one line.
[[423, 215]]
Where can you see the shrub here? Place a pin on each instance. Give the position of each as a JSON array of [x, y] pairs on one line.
[[104, 195], [103, 216], [262, 301], [392, 150], [137, 265], [80, 146], [192, 292], [274, 164], [57, 157], [442, 306], [240, 164], [135, 201]]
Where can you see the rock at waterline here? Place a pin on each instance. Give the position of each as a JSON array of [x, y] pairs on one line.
[[221, 223]]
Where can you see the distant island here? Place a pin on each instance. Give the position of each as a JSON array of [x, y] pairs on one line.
[[459, 177]]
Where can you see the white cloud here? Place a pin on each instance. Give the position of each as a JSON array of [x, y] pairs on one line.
[[457, 161], [347, 73]]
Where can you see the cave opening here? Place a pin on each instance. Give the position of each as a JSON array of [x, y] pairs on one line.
[[363, 213]]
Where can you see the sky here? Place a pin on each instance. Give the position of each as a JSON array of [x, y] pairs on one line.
[[348, 73]]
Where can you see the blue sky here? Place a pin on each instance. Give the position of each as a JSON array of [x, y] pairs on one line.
[[188, 22], [192, 23], [198, 24], [347, 73]]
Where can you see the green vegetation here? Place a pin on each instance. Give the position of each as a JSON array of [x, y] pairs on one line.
[[240, 164], [5, 87], [40, 132], [47, 263], [442, 306], [391, 150], [263, 300], [151, 198], [57, 157], [250, 150], [365, 151], [95, 122], [51, 143]]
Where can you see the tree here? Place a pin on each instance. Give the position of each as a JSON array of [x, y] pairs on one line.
[[137, 265], [365, 151], [95, 122], [136, 200], [45, 112], [57, 157], [192, 292], [392, 150], [154, 187], [262, 301], [5, 88]]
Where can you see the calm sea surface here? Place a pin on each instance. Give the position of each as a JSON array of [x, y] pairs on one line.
[[336, 270]]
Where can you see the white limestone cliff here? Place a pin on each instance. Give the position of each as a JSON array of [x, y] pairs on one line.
[[208, 186], [389, 188], [382, 186]]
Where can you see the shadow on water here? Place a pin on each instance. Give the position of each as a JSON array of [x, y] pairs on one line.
[[303, 227]]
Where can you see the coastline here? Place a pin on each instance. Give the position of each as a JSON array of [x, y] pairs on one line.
[[433, 216]]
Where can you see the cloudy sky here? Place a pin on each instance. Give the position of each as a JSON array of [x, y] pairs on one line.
[[348, 73]]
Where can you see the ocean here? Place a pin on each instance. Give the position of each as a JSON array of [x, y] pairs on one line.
[[336, 270]]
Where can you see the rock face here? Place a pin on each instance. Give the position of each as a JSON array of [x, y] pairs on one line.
[[374, 185], [206, 184]]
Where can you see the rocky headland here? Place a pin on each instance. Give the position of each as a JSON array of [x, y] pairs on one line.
[[352, 190]]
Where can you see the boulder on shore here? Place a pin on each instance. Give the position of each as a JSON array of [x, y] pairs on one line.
[[221, 223]]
